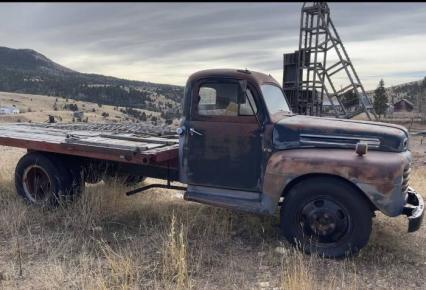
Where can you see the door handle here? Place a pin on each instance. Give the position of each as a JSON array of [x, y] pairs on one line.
[[193, 131]]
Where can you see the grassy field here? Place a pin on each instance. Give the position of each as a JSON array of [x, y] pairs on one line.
[[156, 240], [36, 108]]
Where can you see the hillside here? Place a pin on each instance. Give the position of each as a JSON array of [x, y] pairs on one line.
[[37, 108], [412, 91], [27, 71]]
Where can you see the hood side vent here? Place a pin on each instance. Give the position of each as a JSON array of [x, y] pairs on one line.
[[337, 141]]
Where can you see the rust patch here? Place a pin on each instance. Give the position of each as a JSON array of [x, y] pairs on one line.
[[378, 174]]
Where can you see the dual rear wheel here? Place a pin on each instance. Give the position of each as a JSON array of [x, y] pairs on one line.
[[43, 179], [49, 179]]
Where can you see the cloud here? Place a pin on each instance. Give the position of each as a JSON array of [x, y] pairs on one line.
[[165, 42]]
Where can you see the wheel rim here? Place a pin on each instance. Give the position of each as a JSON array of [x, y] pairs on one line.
[[324, 222], [36, 183]]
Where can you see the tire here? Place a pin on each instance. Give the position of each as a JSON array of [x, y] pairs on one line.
[[41, 180], [92, 177], [73, 178], [326, 216], [77, 178], [94, 172]]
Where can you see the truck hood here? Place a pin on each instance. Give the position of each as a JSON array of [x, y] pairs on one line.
[[309, 132]]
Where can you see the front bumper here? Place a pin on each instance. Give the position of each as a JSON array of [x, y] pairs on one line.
[[414, 209]]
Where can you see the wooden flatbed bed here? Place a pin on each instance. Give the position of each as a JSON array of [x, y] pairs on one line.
[[143, 149]]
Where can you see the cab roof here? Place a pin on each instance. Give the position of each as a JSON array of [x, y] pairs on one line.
[[244, 74]]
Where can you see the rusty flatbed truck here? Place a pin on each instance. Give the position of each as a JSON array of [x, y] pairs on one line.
[[239, 146]]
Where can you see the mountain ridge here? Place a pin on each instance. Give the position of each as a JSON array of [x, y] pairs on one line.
[[28, 53], [28, 71]]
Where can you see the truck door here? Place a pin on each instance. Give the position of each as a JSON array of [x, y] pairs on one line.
[[223, 136]]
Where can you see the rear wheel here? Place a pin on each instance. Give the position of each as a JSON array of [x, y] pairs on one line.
[[92, 176], [76, 173], [42, 180], [326, 216]]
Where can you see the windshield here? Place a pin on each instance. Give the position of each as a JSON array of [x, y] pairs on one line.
[[274, 99]]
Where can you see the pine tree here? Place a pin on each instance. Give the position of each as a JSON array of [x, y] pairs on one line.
[[380, 99]]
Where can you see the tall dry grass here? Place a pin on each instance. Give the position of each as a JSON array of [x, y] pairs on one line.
[[175, 258], [104, 241], [155, 240]]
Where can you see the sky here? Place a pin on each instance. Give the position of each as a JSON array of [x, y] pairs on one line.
[[166, 42]]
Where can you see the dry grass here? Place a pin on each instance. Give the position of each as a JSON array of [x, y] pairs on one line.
[[36, 108], [156, 240]]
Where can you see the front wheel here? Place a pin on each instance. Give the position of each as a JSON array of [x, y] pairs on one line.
[[326, 216]]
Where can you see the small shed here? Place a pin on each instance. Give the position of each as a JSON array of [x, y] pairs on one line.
[[403, 105]]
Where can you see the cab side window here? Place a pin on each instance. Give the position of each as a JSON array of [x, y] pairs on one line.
[[225, 99], [218, 99]]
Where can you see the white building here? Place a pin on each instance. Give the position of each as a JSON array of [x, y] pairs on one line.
[[9, 111]]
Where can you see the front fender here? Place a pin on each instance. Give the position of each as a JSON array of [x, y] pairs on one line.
[[377, 174]]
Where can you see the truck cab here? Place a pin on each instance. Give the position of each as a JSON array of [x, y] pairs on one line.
[[241, 147], [226, 136]]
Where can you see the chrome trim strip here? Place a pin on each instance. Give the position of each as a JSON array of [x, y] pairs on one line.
[[373, 142], [339, 137]]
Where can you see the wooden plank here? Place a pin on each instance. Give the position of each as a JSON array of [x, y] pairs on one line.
[[100, 145], [113, 142], [143, 139]]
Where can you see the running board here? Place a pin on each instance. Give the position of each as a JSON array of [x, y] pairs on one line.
[[254, 202]]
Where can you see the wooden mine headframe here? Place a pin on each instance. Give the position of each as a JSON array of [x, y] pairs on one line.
[[308, 79]]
